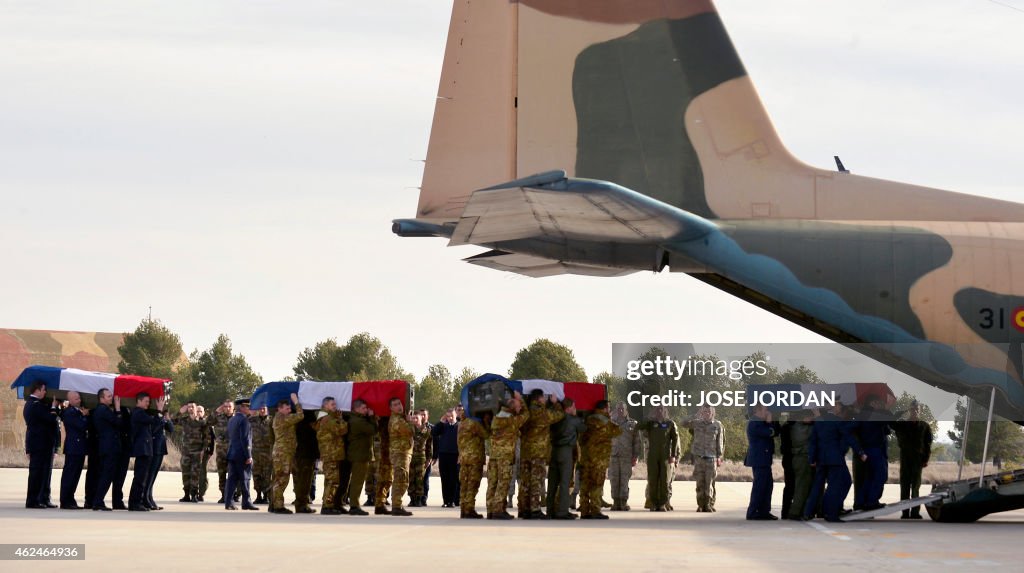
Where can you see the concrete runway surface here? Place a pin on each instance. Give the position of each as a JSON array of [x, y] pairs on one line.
[[205, 536]]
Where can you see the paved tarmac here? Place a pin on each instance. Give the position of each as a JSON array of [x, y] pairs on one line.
[[206, 537]]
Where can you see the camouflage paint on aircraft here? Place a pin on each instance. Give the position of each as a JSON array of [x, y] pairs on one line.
[[94, 351], [649, 98]]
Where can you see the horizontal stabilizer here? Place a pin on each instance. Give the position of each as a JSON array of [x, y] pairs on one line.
[[560, 209], [538, 267]]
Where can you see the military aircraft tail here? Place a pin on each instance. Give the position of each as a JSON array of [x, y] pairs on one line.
[[646, 94]]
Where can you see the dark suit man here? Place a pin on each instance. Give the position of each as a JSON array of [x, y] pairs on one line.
[[108, 444], [42, 430], [239, 455], [159, 451], [123, 460], [143, 426], [831, 437], [446, 454], [92, 474], [761, 438], [75, 447]]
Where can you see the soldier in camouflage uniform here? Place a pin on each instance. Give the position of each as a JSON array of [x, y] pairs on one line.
[[330, 436], [595, 454], [626, 448], [421, 452], [372, 470], [193, 430], [204, 462], [662, 455], [472, 435], [708, 448], [400, 446], [362, 427], [262, 447], [384, 474], [504, 431], [219, 423], [534, 453], [284, 450]]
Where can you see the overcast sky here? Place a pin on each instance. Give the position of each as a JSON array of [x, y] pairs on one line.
[[236, 165]]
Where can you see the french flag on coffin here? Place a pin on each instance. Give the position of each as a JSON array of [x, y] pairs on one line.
[[376, 394], [60, 381]]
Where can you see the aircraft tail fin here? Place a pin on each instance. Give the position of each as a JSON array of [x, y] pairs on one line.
[[647, 94]]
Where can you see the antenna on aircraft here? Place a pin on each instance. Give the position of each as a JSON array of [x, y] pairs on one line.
[[839, 165]]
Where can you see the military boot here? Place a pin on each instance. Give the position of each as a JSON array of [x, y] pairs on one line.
[[187, 497], [380, 510], [196, 498], [605, 504], [617, 504], [401, 512]]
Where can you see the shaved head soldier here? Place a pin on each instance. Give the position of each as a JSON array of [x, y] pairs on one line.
[[330, 435], [284, 450]]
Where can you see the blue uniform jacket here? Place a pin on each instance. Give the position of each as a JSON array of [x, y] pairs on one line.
[[42, 428], [108, 430], [239, 438], [143, 425], [160, 438], [830, 439], [76, 433], [761, 440]]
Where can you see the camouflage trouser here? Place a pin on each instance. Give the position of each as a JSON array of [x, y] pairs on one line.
[[190, 469], [531, 483], [204, 468], [222, 466], [400, 478], [417, 473], [383, 482], [704, 473], [592, 487], [282, 471], [262, 466], [470, 475], [619, 471], [371, 478], [499, 475], [332, 481]]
